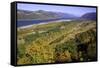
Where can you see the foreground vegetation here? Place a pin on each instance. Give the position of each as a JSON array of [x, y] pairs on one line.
[[57, 42]]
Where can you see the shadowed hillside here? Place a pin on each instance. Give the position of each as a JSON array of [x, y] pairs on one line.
[[89, 16]]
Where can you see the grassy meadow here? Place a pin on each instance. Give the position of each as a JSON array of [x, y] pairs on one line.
[[57, 42]]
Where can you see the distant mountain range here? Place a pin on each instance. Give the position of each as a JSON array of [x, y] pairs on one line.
[[89, 16], [43, 15]]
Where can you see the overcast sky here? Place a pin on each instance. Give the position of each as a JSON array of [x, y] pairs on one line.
[[78, 11]]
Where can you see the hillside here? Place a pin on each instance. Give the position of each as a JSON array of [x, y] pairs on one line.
[[42, 15], [89, 16], [71, 41]]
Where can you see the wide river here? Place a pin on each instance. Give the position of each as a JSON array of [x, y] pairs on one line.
[[21, 23]]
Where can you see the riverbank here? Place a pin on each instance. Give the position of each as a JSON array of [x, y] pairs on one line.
[[27, 26]]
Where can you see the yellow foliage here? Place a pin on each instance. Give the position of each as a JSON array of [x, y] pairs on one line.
[[24, 60], [64, 57]]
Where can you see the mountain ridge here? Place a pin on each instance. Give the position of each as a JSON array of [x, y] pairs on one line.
[[89, 16], [41, 15]]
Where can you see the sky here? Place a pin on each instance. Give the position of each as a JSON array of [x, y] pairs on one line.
[[77, 11]]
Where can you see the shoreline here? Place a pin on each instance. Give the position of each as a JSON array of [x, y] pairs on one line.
[[27, 26]]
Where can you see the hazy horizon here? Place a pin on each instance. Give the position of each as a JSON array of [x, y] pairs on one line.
[[77, 11]]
